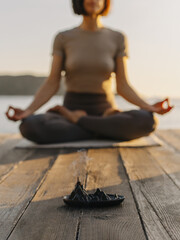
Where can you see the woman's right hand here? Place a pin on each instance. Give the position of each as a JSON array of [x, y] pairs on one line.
[[18, 114]]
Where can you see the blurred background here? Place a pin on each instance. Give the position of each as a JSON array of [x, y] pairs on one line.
[[27, 34]]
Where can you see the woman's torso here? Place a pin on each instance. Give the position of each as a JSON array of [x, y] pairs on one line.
[[89, 59]]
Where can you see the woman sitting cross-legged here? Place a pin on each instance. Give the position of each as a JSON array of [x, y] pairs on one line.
[[88, 54]]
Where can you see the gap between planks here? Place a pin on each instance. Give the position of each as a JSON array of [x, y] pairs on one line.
[[52, 217], [171, 137], [16, 194], [154, 175], [120, 222]]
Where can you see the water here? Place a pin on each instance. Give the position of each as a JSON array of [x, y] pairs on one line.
[[170, 120]]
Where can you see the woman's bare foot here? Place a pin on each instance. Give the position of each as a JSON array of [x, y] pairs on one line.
[[72, 116], [110, 111]]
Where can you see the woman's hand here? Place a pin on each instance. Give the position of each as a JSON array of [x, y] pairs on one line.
[[159, 108], [18, 113]]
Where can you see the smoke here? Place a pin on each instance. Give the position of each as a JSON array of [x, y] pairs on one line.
[[81, 165]]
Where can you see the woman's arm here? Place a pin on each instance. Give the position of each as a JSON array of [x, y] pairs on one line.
[[49, 87], [127, 92], [46, 91], [123, 87]]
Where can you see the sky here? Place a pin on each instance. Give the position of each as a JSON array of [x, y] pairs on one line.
[[28, 28]]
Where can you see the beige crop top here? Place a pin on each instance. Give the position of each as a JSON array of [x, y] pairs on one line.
[[89, 58]]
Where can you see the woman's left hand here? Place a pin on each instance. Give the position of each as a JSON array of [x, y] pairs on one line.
[[159, 108]]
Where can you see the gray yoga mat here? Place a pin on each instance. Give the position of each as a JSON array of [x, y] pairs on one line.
[[146, 141]]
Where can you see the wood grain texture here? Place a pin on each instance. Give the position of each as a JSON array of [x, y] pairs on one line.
[[157, 196], [171, 137], [10, 157], [118, 222], [32, 206], [169, 161], [47, 217], [18, 189]]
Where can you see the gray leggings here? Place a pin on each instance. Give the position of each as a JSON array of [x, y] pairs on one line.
[[55, 128]]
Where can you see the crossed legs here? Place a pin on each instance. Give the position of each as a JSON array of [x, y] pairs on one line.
[[55, 128], [52, 128], [125, 125]]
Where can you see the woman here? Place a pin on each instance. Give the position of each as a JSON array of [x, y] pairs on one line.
[[89, 53]]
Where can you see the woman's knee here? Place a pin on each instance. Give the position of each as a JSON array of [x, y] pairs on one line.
[[143, 123], [30, 128], [149, 122], [155, 122]]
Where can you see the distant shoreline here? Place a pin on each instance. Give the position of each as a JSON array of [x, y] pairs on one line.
[[24, 85], [27, 84]]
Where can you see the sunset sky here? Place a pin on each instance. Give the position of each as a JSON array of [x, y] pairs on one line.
[[152, 28]]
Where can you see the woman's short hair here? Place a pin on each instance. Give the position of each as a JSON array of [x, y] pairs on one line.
[[79, 9]]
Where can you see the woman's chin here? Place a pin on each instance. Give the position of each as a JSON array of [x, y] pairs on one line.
[[92, 13]]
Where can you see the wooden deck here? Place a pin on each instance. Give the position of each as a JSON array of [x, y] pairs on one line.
[[33, 183]]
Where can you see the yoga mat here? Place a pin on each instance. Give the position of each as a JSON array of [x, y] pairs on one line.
[[146, 141]]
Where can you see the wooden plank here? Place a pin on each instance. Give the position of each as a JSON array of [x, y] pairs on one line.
[[10, 157], [6, 146], [6, 136], [169, 161], [18, 189], [106, 171], [171, 137], [47, 216], [157, 196], [176, 131]]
